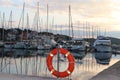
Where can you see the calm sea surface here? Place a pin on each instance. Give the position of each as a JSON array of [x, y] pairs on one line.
[[33, 62]]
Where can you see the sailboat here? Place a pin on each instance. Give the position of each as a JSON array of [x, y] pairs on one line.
[[10, 44], [79, 45], [76, 44], [30, 44], [21, 44], [46, 41]]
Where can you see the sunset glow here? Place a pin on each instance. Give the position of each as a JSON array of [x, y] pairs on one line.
[[102, 13]]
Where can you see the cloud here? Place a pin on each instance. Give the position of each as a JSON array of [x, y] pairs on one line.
[[6, 2], [85, 8], [95, 11]]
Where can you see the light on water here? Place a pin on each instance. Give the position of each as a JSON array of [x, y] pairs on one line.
[[63, 63], [33, 62]]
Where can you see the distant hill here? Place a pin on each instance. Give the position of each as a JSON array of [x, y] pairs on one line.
[[64, 37], [115, 40]]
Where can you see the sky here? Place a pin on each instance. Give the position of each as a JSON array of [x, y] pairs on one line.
[[102, 15]]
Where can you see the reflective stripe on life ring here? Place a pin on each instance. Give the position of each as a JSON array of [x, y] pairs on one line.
[[70, 59]]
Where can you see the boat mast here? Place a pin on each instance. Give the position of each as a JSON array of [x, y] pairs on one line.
[[47, 17], [3, 25], [97, 31], [105, 32], [86, 25], [83, 32], [41, 21], [80, 36], [37, 17], [10, 20], [22, 15], [23, 20], [0, 24], [89, 29], [70, 22], [37, 21], [61, 29], [92, 32], [27, 25], [53, 25], [0, 17]]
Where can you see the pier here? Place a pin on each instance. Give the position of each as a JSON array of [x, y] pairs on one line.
[[111, 73]]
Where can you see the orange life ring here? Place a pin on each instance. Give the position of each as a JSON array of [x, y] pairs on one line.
[[70, 59]]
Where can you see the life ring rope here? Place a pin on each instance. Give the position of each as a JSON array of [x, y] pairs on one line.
[[70, 58]]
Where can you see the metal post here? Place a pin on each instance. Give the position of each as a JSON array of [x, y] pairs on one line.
[[58, 58]]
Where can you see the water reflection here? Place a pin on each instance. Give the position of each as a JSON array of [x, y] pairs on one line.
[[79, 55], [33, 62], [103, 58], [17, 53]]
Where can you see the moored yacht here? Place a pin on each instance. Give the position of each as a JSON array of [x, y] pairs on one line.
[[78, 45], [9, 45], [46, 43], [19, 45], [102, 44], [103, 50]]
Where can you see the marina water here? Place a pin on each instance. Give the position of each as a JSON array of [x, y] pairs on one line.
[[33, 63]]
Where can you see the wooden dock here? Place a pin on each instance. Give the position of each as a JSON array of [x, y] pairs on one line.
[[112, 73]]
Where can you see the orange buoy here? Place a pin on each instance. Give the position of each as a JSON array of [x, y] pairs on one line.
[[70, 59]]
